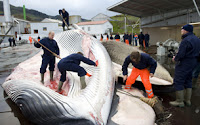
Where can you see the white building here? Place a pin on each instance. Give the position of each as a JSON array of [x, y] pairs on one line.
[[19, 26], [42, 28], [100, 17], [22, 26], [96, 27]]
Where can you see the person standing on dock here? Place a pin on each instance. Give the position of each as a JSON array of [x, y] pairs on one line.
[[141, 39], [38, 38], [147, 38], [135, 38], [65, 16], [117, 37], [30, 39], [101, 39], [48, 58], [13, 40], [111, 37], [144, 66], [186, 61], [10, 41], [107, 37], [71, 63], [130, 39]]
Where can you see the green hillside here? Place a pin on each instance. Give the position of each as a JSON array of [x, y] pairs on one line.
[[31, 15], [118, 24]]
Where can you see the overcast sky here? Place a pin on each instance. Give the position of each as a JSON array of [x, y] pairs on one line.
[[85, 8]]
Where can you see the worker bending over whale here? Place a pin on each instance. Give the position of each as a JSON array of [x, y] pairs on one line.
[[144, 66], [71, 63], [48, 58]]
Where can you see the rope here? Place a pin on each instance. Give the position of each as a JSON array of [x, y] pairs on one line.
[[149, 101]]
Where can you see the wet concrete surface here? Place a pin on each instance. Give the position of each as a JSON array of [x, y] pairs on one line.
[[179, 116], [10, 57], [10, 114]]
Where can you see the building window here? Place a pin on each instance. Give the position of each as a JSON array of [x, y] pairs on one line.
[[44, 28], [88, 28], [82, 28], [35, 31]]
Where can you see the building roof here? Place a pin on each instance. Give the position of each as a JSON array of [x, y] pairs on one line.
[[92, 22], [21, 20], [144, 8], [49, 20]]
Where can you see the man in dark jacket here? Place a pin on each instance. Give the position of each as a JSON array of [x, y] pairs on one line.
[[65, 16], [48, 58], [186, 60], [13, 40], [141, 39], [144, 66], [117, 37], [111, 37], [71, 63], [125, 37], [146, 38], [130, 38], [10, 41]]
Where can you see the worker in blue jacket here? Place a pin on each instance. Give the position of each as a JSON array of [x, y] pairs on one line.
[[186, 60], [144, 66], [48, 58], [65, 16], [71, 63]]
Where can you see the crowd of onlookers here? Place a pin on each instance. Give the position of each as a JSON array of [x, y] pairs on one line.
[[130, 39]]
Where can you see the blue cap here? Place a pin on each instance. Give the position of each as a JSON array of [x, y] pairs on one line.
[[188, 28]]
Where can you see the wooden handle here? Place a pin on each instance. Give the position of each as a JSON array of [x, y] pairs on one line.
[[49, 50]]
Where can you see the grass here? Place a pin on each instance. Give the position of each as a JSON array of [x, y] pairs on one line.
[[118, 24]]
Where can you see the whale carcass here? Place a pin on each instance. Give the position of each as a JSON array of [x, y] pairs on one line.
[[42, 105]]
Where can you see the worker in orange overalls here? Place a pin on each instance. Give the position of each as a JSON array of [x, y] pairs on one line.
[[30, 39], [38, 38], [126, 38], [117, 37], [101, 39], [135, 39], [107, 37], [144, 66]]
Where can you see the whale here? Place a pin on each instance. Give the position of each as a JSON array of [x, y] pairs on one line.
[[41, 104]]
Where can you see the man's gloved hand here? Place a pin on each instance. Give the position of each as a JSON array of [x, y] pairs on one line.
[[97, 63], [151, 75], [88, 75], [125, 78]]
